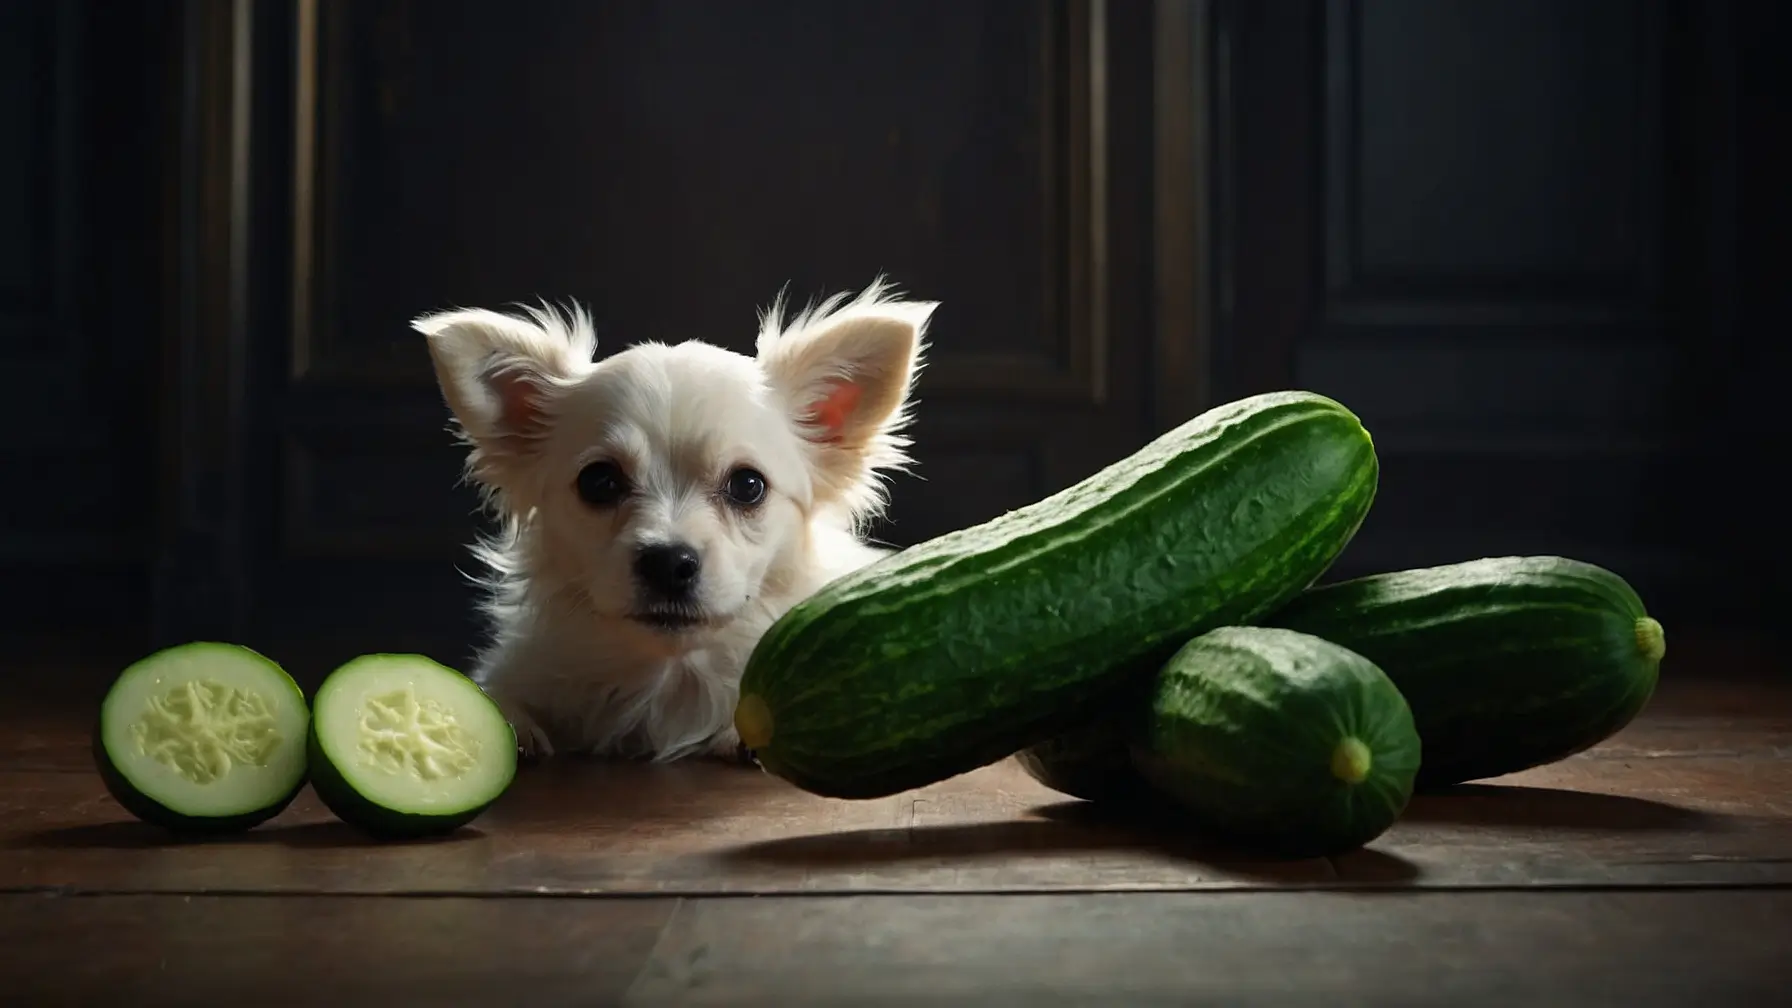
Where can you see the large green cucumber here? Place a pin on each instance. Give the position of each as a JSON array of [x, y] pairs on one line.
[[965, 649], [1279, 740], [1508, 662]]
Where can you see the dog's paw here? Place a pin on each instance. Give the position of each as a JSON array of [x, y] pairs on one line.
[[532, 742], [727, 746]]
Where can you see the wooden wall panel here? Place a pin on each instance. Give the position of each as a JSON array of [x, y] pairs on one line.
[[1482, 249]]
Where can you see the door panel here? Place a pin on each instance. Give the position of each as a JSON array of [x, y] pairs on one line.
[[1493, 233], [1476, 228], [673, 168]]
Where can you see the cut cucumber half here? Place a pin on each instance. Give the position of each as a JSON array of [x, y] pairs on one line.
[[203, 738], [402, 746]]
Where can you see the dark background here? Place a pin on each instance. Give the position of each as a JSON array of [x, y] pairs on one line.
[[1529, 241]]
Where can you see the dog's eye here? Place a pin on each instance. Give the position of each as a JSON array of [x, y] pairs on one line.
[[746, 487], [602, 484]]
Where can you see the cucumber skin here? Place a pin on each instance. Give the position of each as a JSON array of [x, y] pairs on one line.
[[961, 651], [374, 819], [1508, 662], [1239, 731], [156, 814]]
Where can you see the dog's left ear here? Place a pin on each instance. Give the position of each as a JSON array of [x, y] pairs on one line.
[[500, 375], [847, 380]]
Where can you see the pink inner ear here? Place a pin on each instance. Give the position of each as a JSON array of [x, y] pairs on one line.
[[834, 409], [519, 398]]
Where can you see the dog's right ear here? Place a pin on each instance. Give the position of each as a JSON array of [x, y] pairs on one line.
[[500, 375]]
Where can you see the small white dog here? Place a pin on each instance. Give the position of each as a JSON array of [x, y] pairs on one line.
[[662, 507]]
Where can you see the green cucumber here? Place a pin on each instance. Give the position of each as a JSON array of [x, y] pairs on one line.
[[202, 738], [1090, 761], [402, 746], [1508, 662], [963, 650], [1280, 741]]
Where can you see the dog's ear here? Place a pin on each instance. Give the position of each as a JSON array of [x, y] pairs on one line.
[[500, 375], [846, 379]]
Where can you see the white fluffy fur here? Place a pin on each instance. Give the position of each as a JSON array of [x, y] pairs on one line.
[[572, 669]]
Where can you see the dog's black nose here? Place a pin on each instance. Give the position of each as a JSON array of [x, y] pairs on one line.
[[668, 570]]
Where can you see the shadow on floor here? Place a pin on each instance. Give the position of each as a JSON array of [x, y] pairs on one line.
[[133, 835], [1068, 829], [570, 792], [1518, 806]]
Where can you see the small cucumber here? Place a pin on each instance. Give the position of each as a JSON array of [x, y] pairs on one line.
[[1279, 740]]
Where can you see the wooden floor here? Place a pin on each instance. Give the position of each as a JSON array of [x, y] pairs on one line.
[[1654, 870]]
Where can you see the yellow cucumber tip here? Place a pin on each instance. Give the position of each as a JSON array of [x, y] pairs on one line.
[[753, 721], [1351, 761], [1651, 639]]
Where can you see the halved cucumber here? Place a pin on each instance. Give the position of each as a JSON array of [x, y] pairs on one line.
[[402, 746], [203, 738]]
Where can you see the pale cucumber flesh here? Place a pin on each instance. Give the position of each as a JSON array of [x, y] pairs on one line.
[[206, 730], [410, 735]]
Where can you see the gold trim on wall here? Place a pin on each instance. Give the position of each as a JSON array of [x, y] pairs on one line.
[[304, 188], [1182, 231], [1076, 214], [205, 385]]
